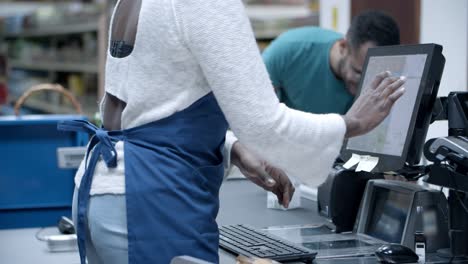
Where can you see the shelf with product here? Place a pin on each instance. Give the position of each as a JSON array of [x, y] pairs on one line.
[[57, 43], [3, 88], [51, 65], [45, 104], [270, 18], [52, 30]]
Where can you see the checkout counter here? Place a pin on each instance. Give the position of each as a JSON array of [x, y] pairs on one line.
[[241, 202], [250, 208]]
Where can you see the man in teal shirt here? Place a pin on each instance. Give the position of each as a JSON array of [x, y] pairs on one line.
[[318, 70]]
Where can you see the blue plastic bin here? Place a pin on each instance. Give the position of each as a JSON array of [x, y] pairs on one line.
[[34, 191]]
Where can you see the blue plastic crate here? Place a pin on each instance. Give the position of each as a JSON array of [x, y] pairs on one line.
[[34, 191]]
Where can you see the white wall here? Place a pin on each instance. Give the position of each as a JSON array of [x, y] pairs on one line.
[[335, 15], [446, 23]]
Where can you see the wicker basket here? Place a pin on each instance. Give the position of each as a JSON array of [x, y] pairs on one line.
[[47, 87]]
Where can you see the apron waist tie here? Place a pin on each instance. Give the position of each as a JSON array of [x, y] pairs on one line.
[[101, 145]]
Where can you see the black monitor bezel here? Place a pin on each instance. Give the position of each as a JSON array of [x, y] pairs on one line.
[[372, 207], [422, 109], [366, 210]]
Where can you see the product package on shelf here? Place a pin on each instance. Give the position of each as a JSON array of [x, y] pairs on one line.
[[270, 18]]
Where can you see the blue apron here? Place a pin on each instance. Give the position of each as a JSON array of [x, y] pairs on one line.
[[173, 172]]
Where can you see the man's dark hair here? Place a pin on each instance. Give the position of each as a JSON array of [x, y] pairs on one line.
[[374, 26]]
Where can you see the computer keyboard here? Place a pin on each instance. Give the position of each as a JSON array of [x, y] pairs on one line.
[[247, 241]]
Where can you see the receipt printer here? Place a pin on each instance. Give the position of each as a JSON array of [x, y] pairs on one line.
[[338, 198]]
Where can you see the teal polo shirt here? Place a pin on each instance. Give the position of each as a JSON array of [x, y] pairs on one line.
[[299, 67]]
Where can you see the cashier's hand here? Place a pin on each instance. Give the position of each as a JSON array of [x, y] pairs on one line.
[[374, 104], [262, 173]]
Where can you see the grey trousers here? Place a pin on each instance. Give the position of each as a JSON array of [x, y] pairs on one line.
[[106, 239]]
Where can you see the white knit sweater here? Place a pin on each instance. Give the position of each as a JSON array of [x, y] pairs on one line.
[[185, 49]]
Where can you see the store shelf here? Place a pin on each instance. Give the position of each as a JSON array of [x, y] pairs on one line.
[[64, 29], [269, 21], [84, 67], [268, 34], [60, 42], [277, 12], [89, 106]]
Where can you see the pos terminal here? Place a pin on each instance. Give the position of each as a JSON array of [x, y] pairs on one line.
[[398, 141]]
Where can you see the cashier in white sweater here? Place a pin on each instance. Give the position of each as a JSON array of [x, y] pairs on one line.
[[178, 74]]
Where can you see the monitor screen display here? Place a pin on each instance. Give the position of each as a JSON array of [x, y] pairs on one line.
[[390, 136], [388, 212]]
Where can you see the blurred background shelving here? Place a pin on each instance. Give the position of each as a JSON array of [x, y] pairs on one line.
[[55, 42], [270, 18], [65, 42]]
